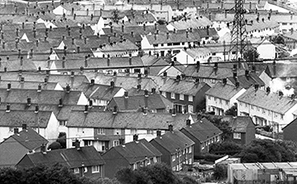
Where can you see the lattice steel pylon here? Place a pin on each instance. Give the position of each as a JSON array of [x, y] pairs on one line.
[[238, 33]]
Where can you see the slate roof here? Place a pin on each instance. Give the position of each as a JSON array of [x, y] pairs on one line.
[[178, 37], [138, 120], [153, 101], [137, 151], [182, 87], [226, 92], [17, 118], [43, 97], [271, 102], [195, 23], [238, 123], [247, 82], [137, 30], [173, 140], [29, 138], [209, 72], [70, 158], [63, 80], [98, 91], [203, 129], [125, 82], [28, 85]]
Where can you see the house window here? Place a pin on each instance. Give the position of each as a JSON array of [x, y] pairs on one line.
[[63, 123], [150, 131], [117, 131], [100, 131], [172, 95], [173, 158], [190, 98], [133, 131], [85, 169], [237, 135], [76, 170], [88, 142], [190, 149], [263, 111], [209, 97], [115, 142], [227, 103], [220, 101], [282, 116], [96, 169], [155, 45], [181, 97]]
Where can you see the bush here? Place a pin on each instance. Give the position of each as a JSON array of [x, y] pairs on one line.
[[220, 172]]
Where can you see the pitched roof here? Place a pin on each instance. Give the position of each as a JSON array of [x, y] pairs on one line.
[[29, 138], [195, 23], [209, 72], [63, 80], [125, 82], [70, 158], [226, 92], [238, 123], [43, 97], [28, 84], [182, 87], [247, 81], [17, 118], [153, 101], [203, 130], [173, 140], [136, 120], [137, 150], [271, 101], [174, 37]]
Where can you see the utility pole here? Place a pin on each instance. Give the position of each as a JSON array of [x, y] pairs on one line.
[[238, 32]]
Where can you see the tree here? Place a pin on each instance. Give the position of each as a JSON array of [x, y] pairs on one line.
[[222, 125], [232, 111], [251, 54], [40, 174], [220, 172], [226, 147], [278, 40], [115, 15], [268, 151], [55, 145], [62, 139], [153, 174]]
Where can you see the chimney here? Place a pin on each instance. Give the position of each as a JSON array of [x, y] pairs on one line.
[[237, 84], [126, 94], [224, 81], [135, 137], [235, 75], [86, 109], [267, 90], [77, 144], [115, 110], [8, 108], [188, 122], [121, 141], [28, 102], [167, 35], [170, 127], [138, 87], [130, 59], [153, 90], [165, 74], [112, 84], [196, 81], [177, 79], [86, 61], [146, 93], [24, 127], [90, 103], [68, 88], [247, 74], [92, 82], [215, 68], [144, 27], [43, 149], [16, 131], [139, 76], [207, 30], [78, 49], [173, 113], [36, 109], [60, 103], [158, 133], [39, 88], [8, 86], [45, 80], [280, 94], [197, 66], [256, 86]]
